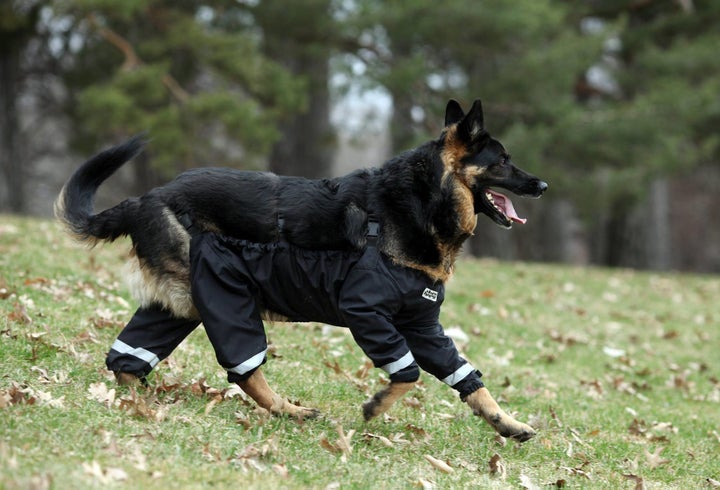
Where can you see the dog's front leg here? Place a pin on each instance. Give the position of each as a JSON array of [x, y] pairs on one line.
[[485, 406], [385, 398], [258, 389]]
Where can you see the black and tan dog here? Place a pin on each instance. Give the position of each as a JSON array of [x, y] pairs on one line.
[[425, 200]]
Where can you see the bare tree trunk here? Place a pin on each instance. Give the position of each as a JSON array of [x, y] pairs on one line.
[[636, 234], [308, 140], [560, 235], [12, 193], [657, 239]]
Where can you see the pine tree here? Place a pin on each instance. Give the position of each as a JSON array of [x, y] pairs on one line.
[[191, 74], [17, 28]]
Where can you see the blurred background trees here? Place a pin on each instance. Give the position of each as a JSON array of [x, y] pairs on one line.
[[614, 102]]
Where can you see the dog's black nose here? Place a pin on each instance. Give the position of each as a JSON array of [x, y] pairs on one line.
[[542, 186]]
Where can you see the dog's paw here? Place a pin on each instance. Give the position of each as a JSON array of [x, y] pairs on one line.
[[384, 399], [510, 428], [129, 379], [283, 407], [484, 405], [372, 408]]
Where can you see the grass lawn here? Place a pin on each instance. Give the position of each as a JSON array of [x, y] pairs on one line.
[[618, 370]]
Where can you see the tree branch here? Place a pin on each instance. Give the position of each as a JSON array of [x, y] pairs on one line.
[[132, 60]]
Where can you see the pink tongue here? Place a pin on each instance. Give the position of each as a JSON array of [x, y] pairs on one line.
[[506, 205]]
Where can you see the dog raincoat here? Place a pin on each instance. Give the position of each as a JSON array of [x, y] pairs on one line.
[[392, 311]]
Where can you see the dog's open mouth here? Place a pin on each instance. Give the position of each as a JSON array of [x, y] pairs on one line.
[[503, 205]]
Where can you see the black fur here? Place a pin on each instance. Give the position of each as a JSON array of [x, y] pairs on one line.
[[420, 197]]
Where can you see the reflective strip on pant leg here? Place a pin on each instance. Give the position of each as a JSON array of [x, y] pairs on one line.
[[395, 366], [458, 375], [139, 352], [252, 363]]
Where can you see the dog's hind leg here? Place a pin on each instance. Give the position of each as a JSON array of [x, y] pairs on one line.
[[385, 398], [485, 406], [258, 389]]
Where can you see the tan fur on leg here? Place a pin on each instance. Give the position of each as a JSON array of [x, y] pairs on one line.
[[485, 406], [385, 398], [257, 388], [126, 379]]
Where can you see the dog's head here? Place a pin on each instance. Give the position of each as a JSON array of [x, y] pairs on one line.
[[481, 162]]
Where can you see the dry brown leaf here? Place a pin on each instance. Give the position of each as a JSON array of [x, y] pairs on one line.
[[20, 314], [99, 392], [335, 366], [418, 432], [497, 467], [639, 482], [17, 395], [554, 416], [364, 370], [439, 464], [5, 291], [142, 407], [654, 460], [327, 445], [384, 440], [280, 470], [595, 388], [716, 434], [105, 476], [412, 402], [211, 405], [577, 471], [344, 441], [341, 446], [242, 419], [424, 484]]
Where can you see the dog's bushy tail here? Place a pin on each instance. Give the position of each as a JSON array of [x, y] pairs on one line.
[[74, 205]]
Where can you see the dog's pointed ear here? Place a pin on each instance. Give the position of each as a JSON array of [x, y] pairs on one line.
[[472, 127], [453, 113]]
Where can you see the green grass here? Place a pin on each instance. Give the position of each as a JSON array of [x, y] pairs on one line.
[[617, 369]]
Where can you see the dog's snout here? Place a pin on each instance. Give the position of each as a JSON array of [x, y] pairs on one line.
[[542, 186]]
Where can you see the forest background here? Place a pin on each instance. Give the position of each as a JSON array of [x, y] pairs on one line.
[[613, 102]]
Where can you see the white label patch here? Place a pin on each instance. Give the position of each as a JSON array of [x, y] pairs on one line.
[[430, 294]]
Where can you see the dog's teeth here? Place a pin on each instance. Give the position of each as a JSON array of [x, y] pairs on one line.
[[489, 196]]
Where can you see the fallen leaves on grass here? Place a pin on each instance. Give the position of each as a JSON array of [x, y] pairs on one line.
[[104, 476], [578, 470], [357, 380], [143, 407], [654, 459], [5, 291], [341, 446], [257, 456], [25, 395], [16, 395], [20, 314], [654, 432], [106, 318], [100, 393], [439, 464], [384, 440], [133, 403], [497, 466], [527, 483], [639, 482]]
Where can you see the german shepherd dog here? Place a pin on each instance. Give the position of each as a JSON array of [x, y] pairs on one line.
[[426, 201]]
